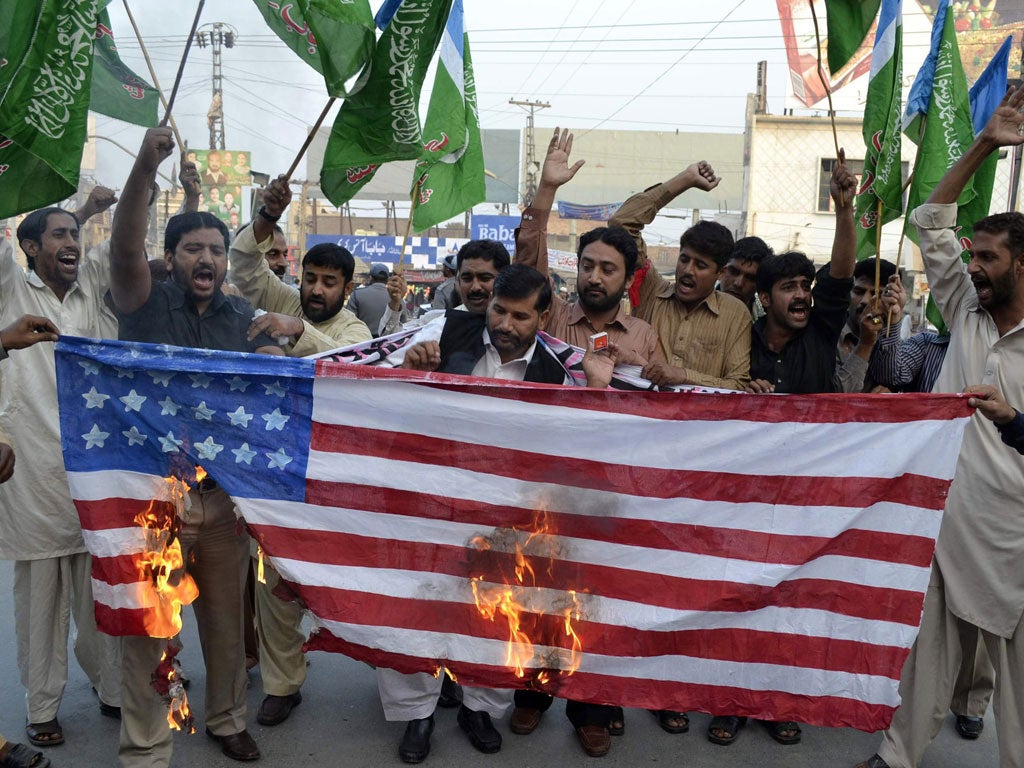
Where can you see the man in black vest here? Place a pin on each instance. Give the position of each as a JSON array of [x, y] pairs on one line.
[[500, 344]]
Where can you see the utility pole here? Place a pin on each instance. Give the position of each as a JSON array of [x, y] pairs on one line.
[[218, 35], [532, 166]]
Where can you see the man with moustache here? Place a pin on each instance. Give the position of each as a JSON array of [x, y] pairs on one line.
[[189, 310], [313, 317], [793, 345], [39, 526], [277, 254], [857, 341], [607, 260], [739, 275], [977, 583], [704, 333]]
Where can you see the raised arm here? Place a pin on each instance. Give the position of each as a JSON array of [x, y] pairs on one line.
[[843, 188], [130, 280], [1002, 130], [191, 186], [532, 232], [99, 200], [276, 198]]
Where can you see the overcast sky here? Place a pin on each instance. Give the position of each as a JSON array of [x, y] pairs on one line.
[[613, 64]]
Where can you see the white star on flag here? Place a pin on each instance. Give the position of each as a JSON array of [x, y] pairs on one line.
[[203, 413], [278, 459], [274, 389], [237, 383], [161, 377], [124, 373], [134, 436], [133, 401], [94, 399], [208, 449], [275, 420], [239, 418], [168, 444], [168, 407], [95, 437], [200, 380], [243, 454], [91, 369]]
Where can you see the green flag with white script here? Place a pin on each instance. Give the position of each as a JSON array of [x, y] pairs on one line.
[[116, 90]]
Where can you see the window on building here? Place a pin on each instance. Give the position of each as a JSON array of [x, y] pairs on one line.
[[857, 166]]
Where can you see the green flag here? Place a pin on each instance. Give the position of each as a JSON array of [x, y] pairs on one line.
[[882, 179], [116, 90], [381, 123], [335, 37], [948, 132], [44, 103], [849, 22], [449, 177]]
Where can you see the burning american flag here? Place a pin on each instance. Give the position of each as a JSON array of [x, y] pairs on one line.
[[758, 555]]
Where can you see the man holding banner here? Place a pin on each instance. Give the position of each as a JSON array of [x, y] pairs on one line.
[[976, 580]]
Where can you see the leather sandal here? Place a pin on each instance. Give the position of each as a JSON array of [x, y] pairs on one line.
[[785, 732], [672, 721], [728, 725], [20, 756], [617, 725], [48, 734]]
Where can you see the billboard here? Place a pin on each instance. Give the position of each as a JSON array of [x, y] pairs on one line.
[[981, 29], [500, 228], [420, 253], [223, 173]]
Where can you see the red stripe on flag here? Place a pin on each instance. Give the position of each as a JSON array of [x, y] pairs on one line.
[[738, 645], [829, 711], [680, 537], [112, 513], [680, 406], [529, 466], [877, 603], [121, 622]]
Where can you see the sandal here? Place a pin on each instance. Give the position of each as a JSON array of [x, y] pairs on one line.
[[728, 726], [783, 731], [617, 725], [46, 734], [20, 756], [672, 721]]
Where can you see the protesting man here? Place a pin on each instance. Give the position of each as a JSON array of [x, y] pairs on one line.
[[739, 275], [976, 579], [24, 332], [857, 341], [793, 345], [189, 309], [39, 526], [313, 317], [704, 333]]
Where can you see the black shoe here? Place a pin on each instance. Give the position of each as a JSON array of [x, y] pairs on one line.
[[109, 710], [969, 727], [451, 694], [237, 746], [873, 762], [275, 709], [482, 733], [415, 745]]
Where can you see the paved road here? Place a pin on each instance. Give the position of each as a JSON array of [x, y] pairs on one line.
[[340, 724]]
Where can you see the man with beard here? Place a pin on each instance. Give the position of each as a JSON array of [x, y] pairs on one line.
[[976, 579], [189, 310], [39, 526], [315, 320], [501, 343], [213, 174], [704, 333], [313, 317], [792, 346], [606, 259]]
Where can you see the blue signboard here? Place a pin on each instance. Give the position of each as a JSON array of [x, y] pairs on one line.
[[500, 228], [420, 253]]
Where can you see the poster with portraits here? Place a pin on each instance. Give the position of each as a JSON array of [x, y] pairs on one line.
[[224, 175]]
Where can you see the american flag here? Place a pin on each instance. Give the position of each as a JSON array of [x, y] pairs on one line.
[[756, 555]]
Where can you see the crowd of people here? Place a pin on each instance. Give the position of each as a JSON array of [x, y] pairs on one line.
[[735, 316]]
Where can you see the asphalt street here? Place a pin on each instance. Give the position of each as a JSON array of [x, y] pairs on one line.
[[340, 723]]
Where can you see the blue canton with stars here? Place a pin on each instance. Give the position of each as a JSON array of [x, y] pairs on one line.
[[162, 410]]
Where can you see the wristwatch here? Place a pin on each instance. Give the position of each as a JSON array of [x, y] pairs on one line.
[[266, 216]]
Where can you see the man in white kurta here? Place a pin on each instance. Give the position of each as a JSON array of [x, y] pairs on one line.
[[977, 575], [39, 527]]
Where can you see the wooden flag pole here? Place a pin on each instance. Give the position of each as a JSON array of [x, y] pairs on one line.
[[408, 225], [181, 66], [309, 138], [828, 92], [152, 74]]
